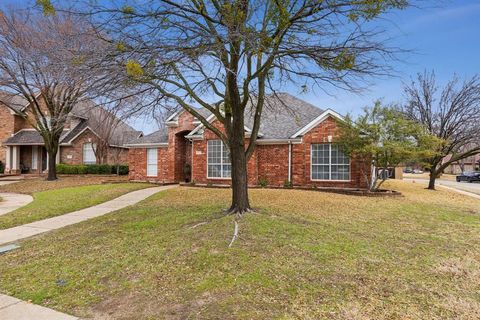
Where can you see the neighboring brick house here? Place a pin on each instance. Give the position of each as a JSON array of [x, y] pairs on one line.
[[22, 148], [296, 144], [471, 163]]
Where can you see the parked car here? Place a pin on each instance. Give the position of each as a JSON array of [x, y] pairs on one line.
[[418, 171], [469, 176], [407, 170]]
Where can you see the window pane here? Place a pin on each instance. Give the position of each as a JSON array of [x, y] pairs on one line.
[[214, 171], [320, 172], [227, 170], [340, 172], [226, 155], [214, 150], [320, 154], [338, 157]]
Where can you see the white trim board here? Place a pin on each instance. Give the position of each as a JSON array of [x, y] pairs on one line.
[[327, 113]]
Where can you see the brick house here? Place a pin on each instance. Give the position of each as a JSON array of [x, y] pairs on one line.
[[296, 143], [471, 163], [22, 148]]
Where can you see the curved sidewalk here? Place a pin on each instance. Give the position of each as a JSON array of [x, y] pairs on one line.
[[13, 201], [46, 225]]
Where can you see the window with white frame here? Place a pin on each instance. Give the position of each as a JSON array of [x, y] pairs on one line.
[[218, 160], [152, 162], [89, 153], [329, 163]]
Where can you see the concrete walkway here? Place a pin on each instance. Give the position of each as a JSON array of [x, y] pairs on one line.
[[13, 201], [46, 225], [5, 182], [15, 309]]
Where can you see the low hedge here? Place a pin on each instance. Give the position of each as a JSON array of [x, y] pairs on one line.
[[91, 169]]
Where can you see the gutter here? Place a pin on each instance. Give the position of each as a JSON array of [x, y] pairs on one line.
[[279, 141], [146, 145]]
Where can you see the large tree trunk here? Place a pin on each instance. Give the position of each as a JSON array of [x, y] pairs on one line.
[[52, 166], [240, 203], [236, 139], [431, 182]]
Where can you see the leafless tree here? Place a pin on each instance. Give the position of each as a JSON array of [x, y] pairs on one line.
[[235, 52], [104, 123], [117, 152], [453, 115], [49, 61]]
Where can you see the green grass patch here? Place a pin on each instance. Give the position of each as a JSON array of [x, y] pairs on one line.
[[56, 202], [303, 255]]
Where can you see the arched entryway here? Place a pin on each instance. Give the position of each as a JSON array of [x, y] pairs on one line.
[[183, 157]]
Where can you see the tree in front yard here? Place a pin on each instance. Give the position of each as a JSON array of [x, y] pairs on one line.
[[235, 52], [384, 137], [452, 115], [47, 61]]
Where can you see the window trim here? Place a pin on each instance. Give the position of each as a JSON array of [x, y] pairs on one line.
[[221, 162], [83, 153], [156, 163], [329, 166]]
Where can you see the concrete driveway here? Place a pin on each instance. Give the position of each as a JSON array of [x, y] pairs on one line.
[[463, 186]]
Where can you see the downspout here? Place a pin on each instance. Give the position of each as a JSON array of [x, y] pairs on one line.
[[290, 161], [191, 163]]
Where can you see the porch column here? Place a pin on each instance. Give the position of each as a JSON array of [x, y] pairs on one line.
[[8, 160], [46, 170], [57, 158], [15, 159]]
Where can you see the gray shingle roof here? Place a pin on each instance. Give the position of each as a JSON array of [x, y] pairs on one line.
[[74, 132], [97, 117], [204, 112], [25, 137], [89, 114], [160, 136], [14, 101], [283, 115], [29, 137]]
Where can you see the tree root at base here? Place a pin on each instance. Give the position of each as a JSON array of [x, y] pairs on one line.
[[237, 211], [198, 225], [235, 234]]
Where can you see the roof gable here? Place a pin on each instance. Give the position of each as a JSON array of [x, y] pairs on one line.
[[283, 116], [312, 124]]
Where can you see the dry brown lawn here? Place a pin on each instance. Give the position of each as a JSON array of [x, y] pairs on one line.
[[32, 185], [303, 255]]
